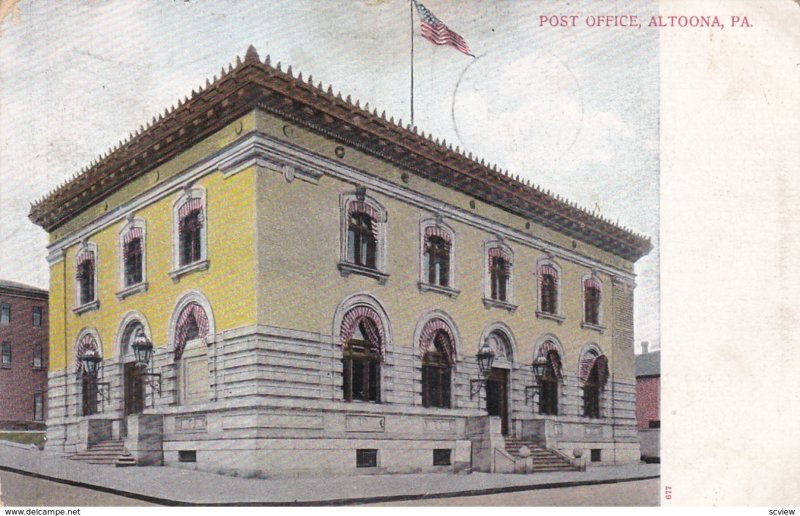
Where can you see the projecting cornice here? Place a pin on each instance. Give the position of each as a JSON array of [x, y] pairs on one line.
[[253, 84]]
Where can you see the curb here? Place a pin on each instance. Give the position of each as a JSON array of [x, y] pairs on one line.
[[328, 502]]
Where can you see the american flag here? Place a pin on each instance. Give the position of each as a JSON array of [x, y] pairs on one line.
[[437, 32]]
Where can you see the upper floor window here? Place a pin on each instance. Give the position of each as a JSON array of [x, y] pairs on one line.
[[591, 301], [361, 239], [438, 356], [38, 355], [5, 313], [438, 253], [363, 246], [191, 232], [362, 355], [499, 268], [86, 275], [36, 313], [548, 289], [5, 355], [190, 226], [133, 256]]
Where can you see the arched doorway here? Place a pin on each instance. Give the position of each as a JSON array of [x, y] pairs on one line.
[[133, 383], [497, 382]]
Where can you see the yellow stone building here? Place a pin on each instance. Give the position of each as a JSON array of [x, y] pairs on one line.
[[317, 282]]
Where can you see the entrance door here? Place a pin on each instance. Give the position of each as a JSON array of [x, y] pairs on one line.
[[134, 390], [497, 396]]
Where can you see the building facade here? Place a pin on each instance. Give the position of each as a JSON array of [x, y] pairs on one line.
[[23, 356], [317, 281], [648, 402]]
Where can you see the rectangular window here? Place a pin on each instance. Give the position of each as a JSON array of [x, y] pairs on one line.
[[187, 455], [499, 279], [591, 400], [596, 455], [38, 406], [37, 355], [436, 385], [5, 313], [5, 356], [366, 458], [361, 371], [442, 458], [655, 423], [37, 316], [592, 305], [190, 237], [86, 280], [549, 294], [133, 262]]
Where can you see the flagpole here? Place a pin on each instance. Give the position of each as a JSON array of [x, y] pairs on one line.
[[411, 12]]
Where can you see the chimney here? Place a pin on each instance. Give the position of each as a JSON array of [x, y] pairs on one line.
[[644, 347]]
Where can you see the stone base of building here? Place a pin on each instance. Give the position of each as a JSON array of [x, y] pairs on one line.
[[266, 402]]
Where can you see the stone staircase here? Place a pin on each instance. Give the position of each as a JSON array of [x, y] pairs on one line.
[[106, 452], [543, 459]]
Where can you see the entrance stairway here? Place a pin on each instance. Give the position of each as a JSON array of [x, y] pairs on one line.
[[106, 452], [543, 459]]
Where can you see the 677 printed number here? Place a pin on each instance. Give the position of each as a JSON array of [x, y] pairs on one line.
[[668, 492]]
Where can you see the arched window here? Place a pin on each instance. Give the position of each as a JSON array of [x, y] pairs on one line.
[[437, 250], [132, 256], [591, 301], [361, 239], [549, 386], [499, 274], [190, 231], [594, 373], [438, 356], [85, 274], [548, 289], [362, 355], [128, 335], [192, 324]]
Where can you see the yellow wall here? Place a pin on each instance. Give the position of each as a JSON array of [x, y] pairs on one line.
[[284, 274], [300, 285], [229, 283]]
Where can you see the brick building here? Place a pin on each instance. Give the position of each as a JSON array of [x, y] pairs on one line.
[[648, 401], [23, 356], [317, 282]]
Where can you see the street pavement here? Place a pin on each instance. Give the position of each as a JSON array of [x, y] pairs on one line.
[[177, 486]]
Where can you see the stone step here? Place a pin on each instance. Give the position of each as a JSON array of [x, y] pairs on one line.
[[112, 453]]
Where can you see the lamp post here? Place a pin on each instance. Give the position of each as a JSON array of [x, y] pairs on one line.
[[538, 368], [485, 358], [143, 351]]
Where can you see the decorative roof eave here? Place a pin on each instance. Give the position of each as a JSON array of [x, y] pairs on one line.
[[253, 84]]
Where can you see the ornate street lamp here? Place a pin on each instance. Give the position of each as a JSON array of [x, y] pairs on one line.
[[485, 358], [143, 351], [91, 365], [538, 367]]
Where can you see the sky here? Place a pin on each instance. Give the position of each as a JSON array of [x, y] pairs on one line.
[[575, 110]]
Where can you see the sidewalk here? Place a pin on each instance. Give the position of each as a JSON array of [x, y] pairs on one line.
[[174, 486]]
